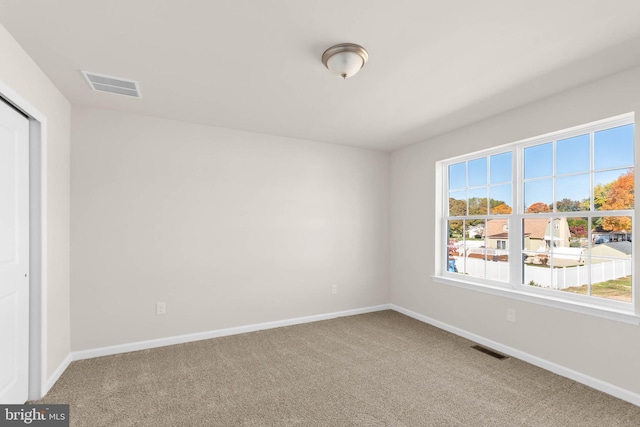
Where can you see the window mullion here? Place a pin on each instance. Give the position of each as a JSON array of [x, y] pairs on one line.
[[515, 225]]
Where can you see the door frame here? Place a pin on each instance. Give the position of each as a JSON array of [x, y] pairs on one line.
[[37, 241]]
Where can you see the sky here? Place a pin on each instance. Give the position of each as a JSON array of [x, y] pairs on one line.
[[612, 156]]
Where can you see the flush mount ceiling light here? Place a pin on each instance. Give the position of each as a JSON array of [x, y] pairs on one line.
[[345, 59]]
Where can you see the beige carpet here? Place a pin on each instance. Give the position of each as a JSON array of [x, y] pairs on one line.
[[378, 369]]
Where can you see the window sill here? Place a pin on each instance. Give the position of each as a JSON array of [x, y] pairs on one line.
[[624, 316]]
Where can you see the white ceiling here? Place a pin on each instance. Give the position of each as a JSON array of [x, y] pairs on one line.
[[255, 64]]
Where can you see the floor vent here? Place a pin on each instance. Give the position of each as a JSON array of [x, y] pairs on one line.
[[489, 352], [109, 84]]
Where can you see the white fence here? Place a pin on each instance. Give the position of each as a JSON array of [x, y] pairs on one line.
[[476, 267], [556, 278]]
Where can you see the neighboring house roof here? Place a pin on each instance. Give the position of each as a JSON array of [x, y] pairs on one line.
[[499, 236], [536, 228], [495, 227], [533, 227], [624, 247]]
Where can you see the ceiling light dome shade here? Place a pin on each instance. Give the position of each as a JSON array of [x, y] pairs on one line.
[[345, 59]]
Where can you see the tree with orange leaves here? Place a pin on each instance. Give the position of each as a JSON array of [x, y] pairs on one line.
[[502, 208], [620, 196], [538, 207]]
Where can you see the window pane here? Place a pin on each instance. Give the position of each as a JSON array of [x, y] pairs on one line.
[[614, 190], [457, 203], [538, 195], [497, 244], [478, 204], [478, 172], [611, 278], [611, 257], [458, 175], [536, 252], [534, 230], [578, 232], [500, 201], [536, 271], [569, 251], [573, 155], [611, 229], [569, 273], [536, 274], [474, 229], [538, 161], [475, 251], [557, 233], [613, 147], [456, 229], [466, 252], [573, 279], [497, 230], [455, 245], [501, 168], [572, 193]]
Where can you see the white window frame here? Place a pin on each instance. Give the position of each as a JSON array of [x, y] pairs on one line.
[[601, 307]]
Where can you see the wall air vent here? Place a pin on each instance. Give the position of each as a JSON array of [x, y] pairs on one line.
[[102, 83], [490, 352]]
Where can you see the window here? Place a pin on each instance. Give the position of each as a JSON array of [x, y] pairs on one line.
[[480, 198], [549, 216]]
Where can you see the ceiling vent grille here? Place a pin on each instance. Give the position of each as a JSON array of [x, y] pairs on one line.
[[102, 83]]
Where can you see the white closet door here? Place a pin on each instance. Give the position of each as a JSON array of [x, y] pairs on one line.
[[14, 255]]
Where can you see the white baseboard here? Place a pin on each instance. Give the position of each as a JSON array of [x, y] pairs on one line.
[[180, 339], [57, 373], [595, 383], [587, 380]]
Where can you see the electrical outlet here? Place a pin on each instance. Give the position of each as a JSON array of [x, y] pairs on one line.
[[511, 314], [334, 289], [161, 308]]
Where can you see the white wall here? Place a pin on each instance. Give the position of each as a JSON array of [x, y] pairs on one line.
[[24, 77], [603, 349], [228, 228]]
